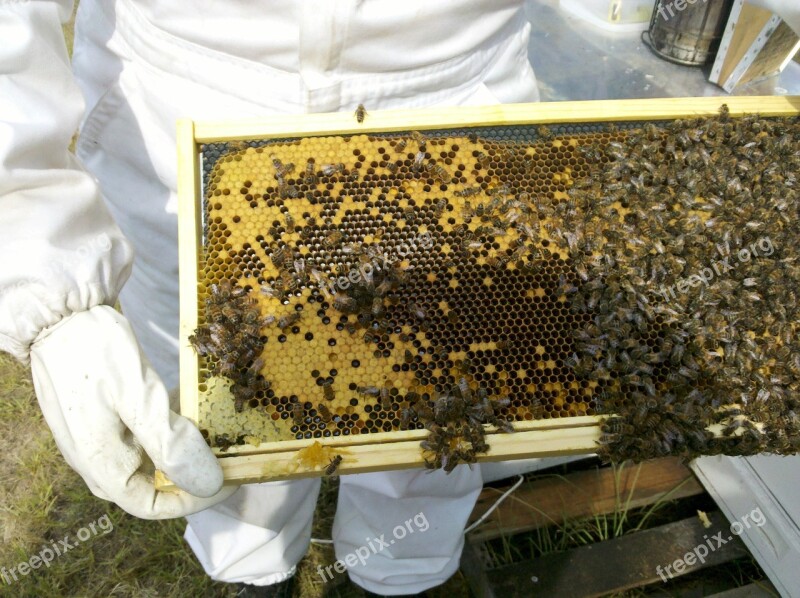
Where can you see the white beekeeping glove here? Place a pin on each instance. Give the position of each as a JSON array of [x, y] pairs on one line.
[[107, 407]]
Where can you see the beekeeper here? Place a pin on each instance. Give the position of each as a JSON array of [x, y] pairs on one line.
[[69, 230]]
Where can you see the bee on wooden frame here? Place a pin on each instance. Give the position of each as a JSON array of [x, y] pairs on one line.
[[360, 113], [333, 465]]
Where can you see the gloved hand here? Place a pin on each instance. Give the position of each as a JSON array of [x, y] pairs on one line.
[[106, 406]]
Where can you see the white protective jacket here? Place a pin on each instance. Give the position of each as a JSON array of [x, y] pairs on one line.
[[67, 238]]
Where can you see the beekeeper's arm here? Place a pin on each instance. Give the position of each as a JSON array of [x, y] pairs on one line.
[[788, 10], [62, 263]]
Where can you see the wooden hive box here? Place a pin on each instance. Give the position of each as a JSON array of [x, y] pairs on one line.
[[497, 326]]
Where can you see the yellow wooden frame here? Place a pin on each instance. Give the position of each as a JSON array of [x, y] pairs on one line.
[[397, 450]]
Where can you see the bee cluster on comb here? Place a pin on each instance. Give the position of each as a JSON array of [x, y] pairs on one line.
[[458, 278], [697, 230]]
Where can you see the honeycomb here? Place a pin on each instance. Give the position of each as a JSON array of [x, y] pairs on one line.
[[485, 303], [488, 316]]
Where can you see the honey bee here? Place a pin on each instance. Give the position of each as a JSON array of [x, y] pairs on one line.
[[464, 389], [416, 310], [333, 238], [386, 402], [345, 303], [439, 173], [288, 320], [311, 176], [297, 413], [468, 192], [324, 413], [333, 465], [400, 147], [288, 281], [224, 442], [467, 212], [377, 307], [278, 257], [281, 169], [419, 138], [372, 391], [331, 169], [360, 113], [328, 392], [439, 207], [544, 132], [288, 191], [407, 415]]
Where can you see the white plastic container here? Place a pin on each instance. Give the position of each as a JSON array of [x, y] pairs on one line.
[[613, 15]]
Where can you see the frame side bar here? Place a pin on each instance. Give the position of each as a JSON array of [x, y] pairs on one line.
[[189, 238]]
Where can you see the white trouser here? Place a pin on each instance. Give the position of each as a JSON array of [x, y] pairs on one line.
[[137, 82]]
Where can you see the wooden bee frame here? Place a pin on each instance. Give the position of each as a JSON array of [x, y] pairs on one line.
[[400, 449]]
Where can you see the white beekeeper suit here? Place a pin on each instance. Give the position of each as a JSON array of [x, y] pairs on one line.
[[142, 64]]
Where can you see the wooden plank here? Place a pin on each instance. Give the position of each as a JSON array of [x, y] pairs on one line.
[[774, 56], [621, 564], [189, 238], [401, 455], [725, 42], [753, 52], [504, 114], [746, 29], [474, 571], [551, 501], [759, 589]]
